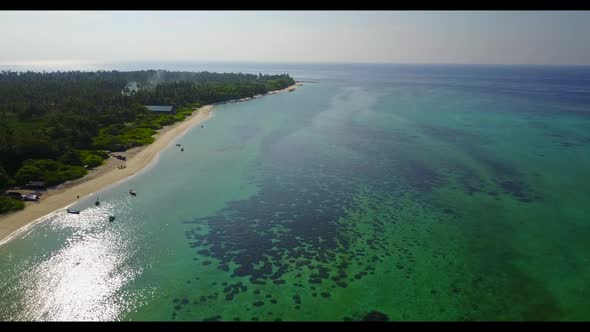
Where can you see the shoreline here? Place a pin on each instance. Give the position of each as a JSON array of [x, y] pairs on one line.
[[108, 174]]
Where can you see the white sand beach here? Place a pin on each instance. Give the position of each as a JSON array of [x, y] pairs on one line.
[[104, 175]]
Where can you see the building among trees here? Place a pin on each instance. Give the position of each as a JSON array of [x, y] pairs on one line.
[[162, 109]]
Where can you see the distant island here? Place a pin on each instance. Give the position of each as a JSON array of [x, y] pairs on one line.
[[56, 126]]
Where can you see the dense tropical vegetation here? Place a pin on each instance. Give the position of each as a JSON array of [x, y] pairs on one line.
[[55, 126]]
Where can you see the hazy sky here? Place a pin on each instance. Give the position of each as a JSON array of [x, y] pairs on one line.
[[297, 36]]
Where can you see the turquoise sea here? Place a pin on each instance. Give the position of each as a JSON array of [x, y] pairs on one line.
[[400, 192]]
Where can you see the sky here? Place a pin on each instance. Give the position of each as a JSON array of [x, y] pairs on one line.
[[462, 37]]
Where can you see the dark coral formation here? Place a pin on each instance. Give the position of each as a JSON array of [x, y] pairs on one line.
[[302, 231], [375, 316]]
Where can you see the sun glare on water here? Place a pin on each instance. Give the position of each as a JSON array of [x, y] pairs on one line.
[[84, 279]]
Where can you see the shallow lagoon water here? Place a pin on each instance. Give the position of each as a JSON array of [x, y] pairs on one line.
[[399, 192]]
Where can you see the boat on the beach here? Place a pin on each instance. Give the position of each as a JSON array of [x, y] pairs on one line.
[[73, 211], [30, 198]]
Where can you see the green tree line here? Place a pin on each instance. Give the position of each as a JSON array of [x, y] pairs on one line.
[[54, 126]]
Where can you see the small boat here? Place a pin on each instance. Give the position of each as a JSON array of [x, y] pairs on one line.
[[97, 203], [132, 192], [177, 144], [73, 211], [182, 149], [30, 198], [111, 218]]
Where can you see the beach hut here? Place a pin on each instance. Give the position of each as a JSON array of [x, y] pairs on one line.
[[35, 184], [14, 194], [163, 109]]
